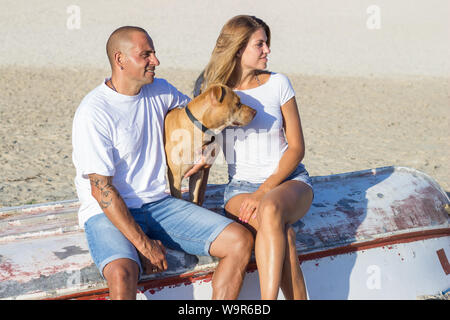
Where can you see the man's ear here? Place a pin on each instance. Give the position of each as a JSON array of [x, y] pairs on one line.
[[118, 59], [217, 94]]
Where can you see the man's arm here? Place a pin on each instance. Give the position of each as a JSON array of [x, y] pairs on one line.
[[152, 252]]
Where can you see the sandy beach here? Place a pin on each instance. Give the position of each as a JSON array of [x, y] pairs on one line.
[[350, 123], [367, 98]]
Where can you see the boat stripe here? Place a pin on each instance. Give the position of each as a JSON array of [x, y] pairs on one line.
[[444, 261]]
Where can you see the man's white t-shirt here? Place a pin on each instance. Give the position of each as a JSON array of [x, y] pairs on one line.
[[122, 136], [253, 152]]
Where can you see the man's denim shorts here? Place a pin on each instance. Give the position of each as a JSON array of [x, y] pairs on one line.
[[178, 224], [236, 187]]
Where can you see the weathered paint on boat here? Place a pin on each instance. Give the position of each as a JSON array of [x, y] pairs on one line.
[[374, 234]]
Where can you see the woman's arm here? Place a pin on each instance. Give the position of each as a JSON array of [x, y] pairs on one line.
[[296, 146], [288, 162]]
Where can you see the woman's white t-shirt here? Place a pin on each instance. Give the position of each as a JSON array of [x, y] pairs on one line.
[[254, 151]]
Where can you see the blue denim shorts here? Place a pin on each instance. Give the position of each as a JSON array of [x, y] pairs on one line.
[[235, 187], [178, 224]]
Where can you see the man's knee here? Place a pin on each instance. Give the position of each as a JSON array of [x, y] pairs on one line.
[[234, 240], [244, 242], [121, 271]]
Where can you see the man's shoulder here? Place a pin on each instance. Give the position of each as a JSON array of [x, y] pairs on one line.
[[159, 86], [93, 102], [160, 82]]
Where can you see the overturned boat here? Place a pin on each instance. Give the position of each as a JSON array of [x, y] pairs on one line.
[[374, 234]]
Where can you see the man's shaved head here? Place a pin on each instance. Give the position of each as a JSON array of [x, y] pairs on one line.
[[120, 40]]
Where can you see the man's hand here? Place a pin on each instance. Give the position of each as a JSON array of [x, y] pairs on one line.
[[152, 252], [153, 257], [206, 157]]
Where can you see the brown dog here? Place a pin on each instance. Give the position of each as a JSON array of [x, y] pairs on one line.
[[189, 130]]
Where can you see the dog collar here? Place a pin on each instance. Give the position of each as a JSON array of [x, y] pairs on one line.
[[195, 121]]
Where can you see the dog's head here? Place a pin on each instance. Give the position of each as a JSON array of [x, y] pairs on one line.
[[224, 108]]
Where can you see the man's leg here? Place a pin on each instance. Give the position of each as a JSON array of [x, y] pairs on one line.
[[122, 276], [234, 248], [115, 257], [182, 225]]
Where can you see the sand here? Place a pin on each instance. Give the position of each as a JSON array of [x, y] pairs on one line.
[[349, 123], [367, 97]]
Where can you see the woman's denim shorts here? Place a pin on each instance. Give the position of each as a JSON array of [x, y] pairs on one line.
[[236, 187], [178, 224]]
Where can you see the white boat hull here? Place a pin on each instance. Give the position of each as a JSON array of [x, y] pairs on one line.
[[386, 272], [374, 234]]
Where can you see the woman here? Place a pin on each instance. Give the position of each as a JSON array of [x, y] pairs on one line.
[[269, 188]]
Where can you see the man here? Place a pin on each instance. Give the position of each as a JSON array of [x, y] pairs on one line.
[[118, 154]]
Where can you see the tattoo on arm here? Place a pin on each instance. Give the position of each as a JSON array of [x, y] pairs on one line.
[[103, 190]]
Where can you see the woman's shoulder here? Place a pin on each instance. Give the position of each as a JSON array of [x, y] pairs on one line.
[[282, 85], [271, 76], [276, 79], [280, 77]]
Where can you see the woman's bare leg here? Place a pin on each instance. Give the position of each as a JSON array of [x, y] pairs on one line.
[[278, 209], [292, 281]]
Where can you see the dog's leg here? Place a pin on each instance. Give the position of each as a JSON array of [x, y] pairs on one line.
[[195, 182], [201, 194], [174, 183]]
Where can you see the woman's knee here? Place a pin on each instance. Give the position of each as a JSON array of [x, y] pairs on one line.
[[270, 214], [291, 236]]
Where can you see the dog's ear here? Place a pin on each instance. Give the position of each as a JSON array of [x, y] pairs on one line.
[[218, 93]]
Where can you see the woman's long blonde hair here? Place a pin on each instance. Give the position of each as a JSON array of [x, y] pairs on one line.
[[233, 37]]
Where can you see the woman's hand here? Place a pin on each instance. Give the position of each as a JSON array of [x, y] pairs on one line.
[[250, 205]]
